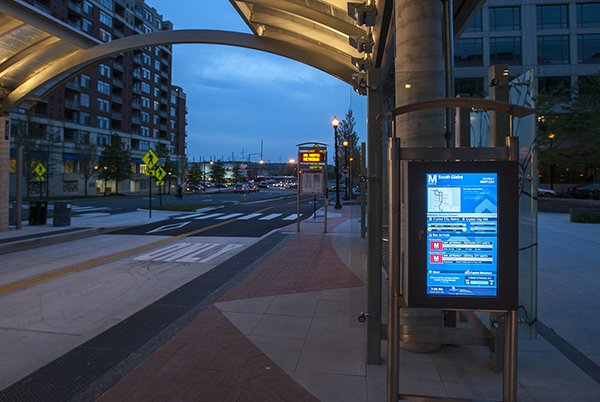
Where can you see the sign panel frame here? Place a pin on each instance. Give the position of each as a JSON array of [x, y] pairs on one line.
[[494, 254]]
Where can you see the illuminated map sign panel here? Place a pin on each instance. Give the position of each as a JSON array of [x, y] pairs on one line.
[[463, 242], [462, 234]]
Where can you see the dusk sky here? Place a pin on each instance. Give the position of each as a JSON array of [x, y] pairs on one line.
[[236, 97]]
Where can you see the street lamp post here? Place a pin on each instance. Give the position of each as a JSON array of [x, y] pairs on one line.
[[551, 136], [335, 123], [345, 144]]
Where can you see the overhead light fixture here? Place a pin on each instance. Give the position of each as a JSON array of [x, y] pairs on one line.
[[364, 43]]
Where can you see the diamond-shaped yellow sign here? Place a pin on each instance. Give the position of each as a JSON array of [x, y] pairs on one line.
[[150, 159], [160, 174], [40, 169]]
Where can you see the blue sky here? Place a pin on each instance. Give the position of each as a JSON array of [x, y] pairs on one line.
[[238, 97]]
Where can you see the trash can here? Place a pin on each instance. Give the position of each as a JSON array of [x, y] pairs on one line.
[[62, 213], [38, 211]]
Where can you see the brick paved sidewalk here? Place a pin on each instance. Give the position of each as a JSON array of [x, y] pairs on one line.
[[213, 359]]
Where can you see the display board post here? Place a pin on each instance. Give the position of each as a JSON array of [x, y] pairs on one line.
[[312, 177]]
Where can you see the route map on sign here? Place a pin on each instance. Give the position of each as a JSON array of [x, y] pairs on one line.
[[462, 234]]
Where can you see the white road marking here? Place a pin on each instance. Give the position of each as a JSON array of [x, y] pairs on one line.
[[210, 216], [230, 216], [292, 217], [169, 227], [188, 216], [249, 216], [269, 217], [190, 252]]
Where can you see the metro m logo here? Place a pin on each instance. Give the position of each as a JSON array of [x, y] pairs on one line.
[[432, 179]]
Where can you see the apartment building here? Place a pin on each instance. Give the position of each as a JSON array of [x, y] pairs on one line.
[[130, 95]]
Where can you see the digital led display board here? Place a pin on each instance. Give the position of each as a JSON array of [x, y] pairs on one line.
[[463, 235], [312, 157]]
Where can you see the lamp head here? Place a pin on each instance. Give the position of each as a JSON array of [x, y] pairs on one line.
[[335, 122]]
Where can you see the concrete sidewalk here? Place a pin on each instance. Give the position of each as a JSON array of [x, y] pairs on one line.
[[289, 330]]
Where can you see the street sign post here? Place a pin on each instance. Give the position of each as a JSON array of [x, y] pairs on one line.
[[40, 170], [150, 159]]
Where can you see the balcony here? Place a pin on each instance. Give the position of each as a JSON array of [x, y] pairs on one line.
[[135, 120], [117, 83], [117, 99], [117, 115], [72, 104], [136, 104], [164, 74], [117, 65], [75, 6]]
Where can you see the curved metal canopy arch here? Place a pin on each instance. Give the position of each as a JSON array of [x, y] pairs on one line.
[[335, 64]]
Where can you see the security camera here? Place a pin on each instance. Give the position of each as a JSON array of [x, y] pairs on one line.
[[363, 13]]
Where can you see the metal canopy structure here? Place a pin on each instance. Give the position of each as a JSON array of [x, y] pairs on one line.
[[31, 41]]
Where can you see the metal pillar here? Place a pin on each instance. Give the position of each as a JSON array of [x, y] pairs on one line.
[[375, 220], [18, 189], [449, 69], [363, 190], [4, 170]]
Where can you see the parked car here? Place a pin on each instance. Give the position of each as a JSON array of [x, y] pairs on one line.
[[589, 190], [545, 192]]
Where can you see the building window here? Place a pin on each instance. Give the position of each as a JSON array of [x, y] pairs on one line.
[[173, 112], [156, 92], [106, 19], [146, 59], [588, 49], [107, 3], [555, 86], [102, 139], [156, 119], [553, 49], [70, 166], [145, 102], [588, 15], [145, 87], [468, 86], [475, 24], [145, 117], [103, 122], [105, 36], [144, 131], [84, 119], [103, 105], [155, 132], [505, 18], [468, 52], [156, 64], [552, 17], [86, 26], [85, 80], [103, 87], [506, 50], [156, 105], [146, 73], [156, 78], [84, 99], [87, 7], [144, 145], [105, 70]]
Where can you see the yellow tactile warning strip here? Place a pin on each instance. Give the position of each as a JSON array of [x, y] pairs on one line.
[[80, 266]]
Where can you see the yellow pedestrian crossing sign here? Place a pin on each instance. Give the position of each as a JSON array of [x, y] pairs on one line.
[[40, 169], [150, 159], [160, 174]]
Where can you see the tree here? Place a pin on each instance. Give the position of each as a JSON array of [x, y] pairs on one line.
[[237, 173], [89, 154], [217, 172], [195, 175], [162, 151], [569, 131], [115, 163], [347, 133]]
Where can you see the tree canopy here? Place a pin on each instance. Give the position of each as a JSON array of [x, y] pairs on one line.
[[115, 162]]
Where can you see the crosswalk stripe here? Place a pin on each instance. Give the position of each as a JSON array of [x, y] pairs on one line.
[[269, 217], [210, 216], [230, 216], [249, 216], [192, 216], [292, 217]]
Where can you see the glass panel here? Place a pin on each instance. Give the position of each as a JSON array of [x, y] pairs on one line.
[[553, 49], [468, 52], [588, 15], [475, 24], [552, 17], [588, 49], [470, 86], [505, 50], [505, 18], [559, 87]]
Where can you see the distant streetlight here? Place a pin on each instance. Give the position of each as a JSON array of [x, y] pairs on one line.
[[335, 123]]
